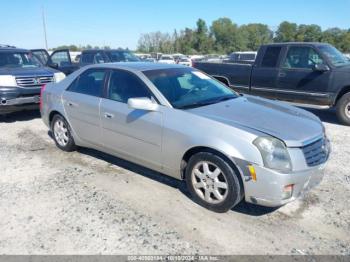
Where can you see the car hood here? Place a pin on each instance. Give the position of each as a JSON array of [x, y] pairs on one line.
[[296, 127], [30, 71]]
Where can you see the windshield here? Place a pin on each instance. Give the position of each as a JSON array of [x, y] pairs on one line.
[[188, 88], [334, 55], [22, 60], [123, 56], [166, 58]]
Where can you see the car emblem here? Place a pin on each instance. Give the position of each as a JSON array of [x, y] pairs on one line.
[[36, 81]]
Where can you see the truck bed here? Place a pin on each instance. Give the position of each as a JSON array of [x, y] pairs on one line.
[[235, 74]]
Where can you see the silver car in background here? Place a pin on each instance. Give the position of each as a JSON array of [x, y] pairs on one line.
[[180, 122]]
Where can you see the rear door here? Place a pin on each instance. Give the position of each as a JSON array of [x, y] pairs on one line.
[[297, 79], [81, 102], [265, 72], [63, 61]]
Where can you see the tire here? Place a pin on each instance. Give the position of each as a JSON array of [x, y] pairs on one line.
[[61, 133], [343, 109], [208, 188]]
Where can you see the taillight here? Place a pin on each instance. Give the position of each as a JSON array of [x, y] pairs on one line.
[[41, 96]]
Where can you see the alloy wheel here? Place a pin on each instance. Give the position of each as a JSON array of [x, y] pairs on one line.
[[60, 131], [209, 182]]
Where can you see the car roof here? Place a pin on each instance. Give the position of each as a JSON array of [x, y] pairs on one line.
[[296, 43], [104, 50], [13, 49], [136, 66]]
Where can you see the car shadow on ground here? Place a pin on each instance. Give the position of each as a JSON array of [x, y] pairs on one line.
[[243, 207], [20, 116]]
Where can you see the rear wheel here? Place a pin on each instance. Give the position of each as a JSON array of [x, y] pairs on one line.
[[343, 109], [212, 182], [62, 134]]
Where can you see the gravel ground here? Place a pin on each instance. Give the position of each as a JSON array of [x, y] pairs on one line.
[[86, 202]]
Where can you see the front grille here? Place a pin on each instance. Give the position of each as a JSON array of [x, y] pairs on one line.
[[33, 81], [317, 152]]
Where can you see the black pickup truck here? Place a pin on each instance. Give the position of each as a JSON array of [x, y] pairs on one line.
[[305, 74]]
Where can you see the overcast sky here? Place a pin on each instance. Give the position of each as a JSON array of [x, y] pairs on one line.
[[119, 23]]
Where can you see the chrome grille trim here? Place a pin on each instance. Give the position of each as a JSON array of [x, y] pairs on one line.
[[317, 152], [33, 81]]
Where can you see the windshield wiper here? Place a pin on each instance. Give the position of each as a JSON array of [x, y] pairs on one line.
[[207, 102]]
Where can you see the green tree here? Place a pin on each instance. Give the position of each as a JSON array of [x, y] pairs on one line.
[[256, 35], [286, 32], [334, 36], [203, 42], [226, 36], [309, 33]]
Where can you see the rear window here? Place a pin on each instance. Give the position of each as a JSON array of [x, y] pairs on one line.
[[271, 56]]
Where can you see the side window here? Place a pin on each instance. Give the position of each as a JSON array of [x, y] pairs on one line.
[[87, 58], [60, 58], [89, 83], [302, 58], [124, 85], [271, 56], [42, 56], [99, 58]]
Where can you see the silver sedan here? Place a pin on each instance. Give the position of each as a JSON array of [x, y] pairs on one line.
[[180, 122]]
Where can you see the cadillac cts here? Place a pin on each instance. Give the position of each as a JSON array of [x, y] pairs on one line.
[[180, 122]]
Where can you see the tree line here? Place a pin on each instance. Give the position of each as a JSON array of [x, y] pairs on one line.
[[224, 37], [75, 48]]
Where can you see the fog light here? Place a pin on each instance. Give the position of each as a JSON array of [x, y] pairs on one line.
[[252, 172], [287, 192]]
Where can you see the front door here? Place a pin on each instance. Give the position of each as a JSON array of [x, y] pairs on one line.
[[81, 102], [298, 81], [136, 134], [62, 59]]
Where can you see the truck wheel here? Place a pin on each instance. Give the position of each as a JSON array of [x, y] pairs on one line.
[[212, 182], [343, 109], [62, 134]]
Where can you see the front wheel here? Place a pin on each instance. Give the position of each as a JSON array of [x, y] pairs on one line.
[[343, 109], [62, 134], [212, 182]]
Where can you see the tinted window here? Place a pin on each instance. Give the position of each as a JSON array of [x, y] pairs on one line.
[[61, 58], [302, 57], [124, 85], [89, 83], [271, 56], [42, 56], [94, 58], [122, 56]]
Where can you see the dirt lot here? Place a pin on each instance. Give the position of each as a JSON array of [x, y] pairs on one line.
[[86, 202]]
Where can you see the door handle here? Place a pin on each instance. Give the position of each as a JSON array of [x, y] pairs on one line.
[[282, 74], [109, 115], [71, 104]]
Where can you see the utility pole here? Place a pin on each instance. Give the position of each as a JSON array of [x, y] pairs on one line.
[[44, 26]]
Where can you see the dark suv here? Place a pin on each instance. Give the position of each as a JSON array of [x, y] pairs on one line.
[[97, 56], [21, 78]]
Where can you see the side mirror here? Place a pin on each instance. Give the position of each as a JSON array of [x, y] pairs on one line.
[[142, 103], [53, 65], [321, 68]]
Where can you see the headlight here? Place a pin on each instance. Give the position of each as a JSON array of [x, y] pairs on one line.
[[274, 153], [59, 77], [7, 80]]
